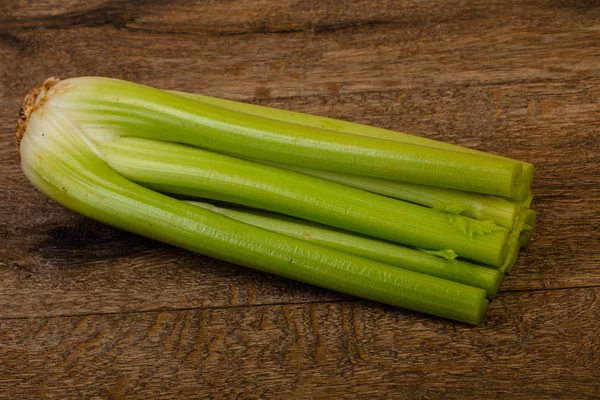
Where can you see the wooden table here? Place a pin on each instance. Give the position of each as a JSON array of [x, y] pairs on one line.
[[87, 311]]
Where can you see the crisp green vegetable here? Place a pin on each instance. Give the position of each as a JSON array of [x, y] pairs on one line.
[[486, 278], [502, 212], [63, 163], [530, 218], [183, 170], [478, 206], [127, 109], [525, 237], [482, 207], [358, 129], [529, 225], [107, 149]]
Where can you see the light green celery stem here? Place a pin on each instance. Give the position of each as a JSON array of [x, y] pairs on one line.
[[530, 218], [512, 254], [478, 206], [527, 202], [486, 278], [356, 129], [525, 238], [58, 159], [515, 240], [185, 170], [527, 232], [99, 105]]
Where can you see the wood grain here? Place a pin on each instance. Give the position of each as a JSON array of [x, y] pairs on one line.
[[537, 345], [87, 311], [229, 17]]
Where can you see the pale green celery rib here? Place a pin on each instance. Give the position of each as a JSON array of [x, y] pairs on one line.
[[517, 238], [512, 254], [128, 109], [529, 226], [59, 160], [185, 170], [357, 129], [478, 206], [415, 260], [525, 238], [530, 218]]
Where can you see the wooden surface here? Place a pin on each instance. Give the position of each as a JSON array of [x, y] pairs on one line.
[[87, 311]]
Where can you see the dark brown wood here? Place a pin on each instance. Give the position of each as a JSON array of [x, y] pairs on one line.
[[540, 344], [87, 311]]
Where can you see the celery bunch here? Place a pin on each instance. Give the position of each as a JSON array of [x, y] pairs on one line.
[[377, 214]]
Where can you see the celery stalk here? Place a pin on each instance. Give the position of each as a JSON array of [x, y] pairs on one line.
[[64, 164], [128, 109], [486, 278], [530, 218], [355, 129], [477, 206], [184, 170], [511, 256], [525, 236]]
